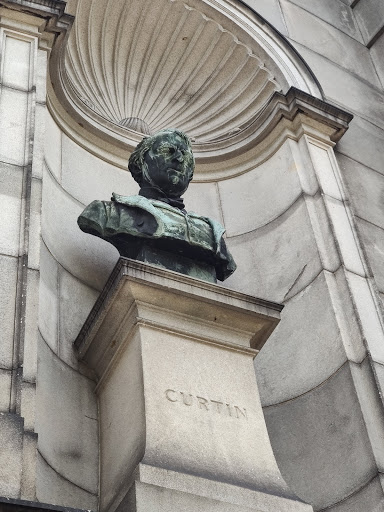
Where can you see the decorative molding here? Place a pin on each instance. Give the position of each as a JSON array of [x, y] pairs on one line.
[[52, 11], [49, 6], [138, 274]]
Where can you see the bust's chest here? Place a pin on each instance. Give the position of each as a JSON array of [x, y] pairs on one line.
[[194, 230]]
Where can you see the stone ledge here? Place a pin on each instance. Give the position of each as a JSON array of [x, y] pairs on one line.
[[132, 282], [53, 11], [56, 7]]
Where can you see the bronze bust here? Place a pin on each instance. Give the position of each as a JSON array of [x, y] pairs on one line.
[[154, 226]]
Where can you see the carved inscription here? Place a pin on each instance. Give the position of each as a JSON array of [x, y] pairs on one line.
[[206, 404]]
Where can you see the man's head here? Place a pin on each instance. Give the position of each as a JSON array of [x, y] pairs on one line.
[[164, 161]]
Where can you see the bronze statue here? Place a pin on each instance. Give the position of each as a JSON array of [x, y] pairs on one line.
[[154, 226]]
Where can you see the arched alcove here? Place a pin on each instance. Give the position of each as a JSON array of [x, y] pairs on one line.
[[209, 68]]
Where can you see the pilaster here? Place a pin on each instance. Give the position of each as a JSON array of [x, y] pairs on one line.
[[315, 128], [28, 30]]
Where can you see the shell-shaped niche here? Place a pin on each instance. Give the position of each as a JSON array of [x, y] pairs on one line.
[[146, 65]]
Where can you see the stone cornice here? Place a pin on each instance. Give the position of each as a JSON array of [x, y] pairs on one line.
[[287, 107], [288, 116], [53, 11], [52, 7], [127, 288], [331, 115]]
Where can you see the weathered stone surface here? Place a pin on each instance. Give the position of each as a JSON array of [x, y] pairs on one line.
[[11, 183], [204, 199], [321, 443], [328, 41], [13, 125], [271, 11], [5, 389], [345, 236], [368, 314], [371, 407], [118, 460], [48, 298], [38, 140], [373, 238], [151, 498], [370, 16], [11, 441], [345, 89], [28, 483], [331, 11], [370, 497], [182, 84], [226, 494], [366, 188], [379, 372], [66, 422], [353, 144], [8, 280], [16, 66], [40, 77], [363, 141], [87, 258], [75, 302], [34, 231], [53, 488], [86, 177], [303, 361], [377, 51], [245, 203], [322, 232], [279, 269], [52, 146], [28, 405], [345, 313], [31, 326]]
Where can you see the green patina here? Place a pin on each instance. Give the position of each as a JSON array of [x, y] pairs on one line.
[[154, 227]]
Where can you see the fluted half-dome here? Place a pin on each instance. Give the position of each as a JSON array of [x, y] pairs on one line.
[[166, 63], [133, 67]]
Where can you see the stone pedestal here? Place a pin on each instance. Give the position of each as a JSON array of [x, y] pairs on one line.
[[181, 426]]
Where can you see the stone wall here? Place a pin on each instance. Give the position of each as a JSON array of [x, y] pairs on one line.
[[313, 397], [22, 109], [314, 373]]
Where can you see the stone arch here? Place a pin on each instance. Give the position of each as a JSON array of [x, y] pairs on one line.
[[207, 67]]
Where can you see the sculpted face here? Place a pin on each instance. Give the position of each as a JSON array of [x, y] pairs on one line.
[[169, 164]]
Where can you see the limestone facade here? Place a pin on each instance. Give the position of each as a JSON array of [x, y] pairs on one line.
[[266, 89]]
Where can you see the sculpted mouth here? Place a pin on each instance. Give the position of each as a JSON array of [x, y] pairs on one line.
[[175, 175]]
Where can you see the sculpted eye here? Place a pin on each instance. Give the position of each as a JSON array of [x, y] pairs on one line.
[[168, 149]]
